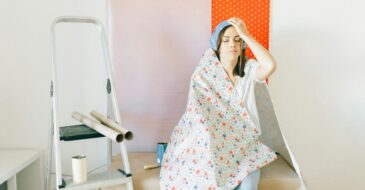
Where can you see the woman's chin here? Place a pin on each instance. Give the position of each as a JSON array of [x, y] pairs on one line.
[[232, 57]]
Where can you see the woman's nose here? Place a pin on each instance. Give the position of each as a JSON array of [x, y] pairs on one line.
[[232, 44]]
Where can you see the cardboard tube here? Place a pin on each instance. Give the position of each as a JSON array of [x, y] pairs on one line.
[[106, 121], [106, 131]]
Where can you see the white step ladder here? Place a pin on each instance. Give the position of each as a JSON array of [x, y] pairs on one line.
[[79, 132]]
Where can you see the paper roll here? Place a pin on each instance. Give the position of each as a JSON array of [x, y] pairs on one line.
[[152, 166], [106, 131], [79, 170], [106, 121]]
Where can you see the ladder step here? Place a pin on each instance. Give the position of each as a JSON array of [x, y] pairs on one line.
[[78, 132], [103, 179]]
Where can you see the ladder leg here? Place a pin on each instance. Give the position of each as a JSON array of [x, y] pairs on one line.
[[49, 159], [111, 106], [109, 115], [56, 139], [124, 154], [125, 158], [130, 185], [109, 152]]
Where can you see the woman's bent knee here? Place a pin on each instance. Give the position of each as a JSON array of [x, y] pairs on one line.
[[250, 182]]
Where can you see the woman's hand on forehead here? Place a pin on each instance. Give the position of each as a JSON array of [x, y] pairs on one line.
[[240, 26]]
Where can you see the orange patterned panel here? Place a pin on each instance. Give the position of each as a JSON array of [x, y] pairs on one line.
[[255, 13]]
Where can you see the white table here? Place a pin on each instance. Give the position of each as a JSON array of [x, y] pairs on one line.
[[21, 169]]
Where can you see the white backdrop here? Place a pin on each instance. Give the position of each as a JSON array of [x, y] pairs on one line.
[[318, 88]]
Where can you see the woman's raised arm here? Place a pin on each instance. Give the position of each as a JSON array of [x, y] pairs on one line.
[[267, 64]]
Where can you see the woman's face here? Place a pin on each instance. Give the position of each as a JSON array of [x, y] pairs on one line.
[[231, 44]]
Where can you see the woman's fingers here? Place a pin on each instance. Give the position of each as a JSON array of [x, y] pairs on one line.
[[236, 23], [239, 22], [235, 19], [239, 25], [233, 22]]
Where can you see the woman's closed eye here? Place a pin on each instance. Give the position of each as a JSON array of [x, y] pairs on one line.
[[236, 39]]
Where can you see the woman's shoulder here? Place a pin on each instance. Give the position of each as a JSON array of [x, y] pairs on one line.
[[249, 63], [254, 64]]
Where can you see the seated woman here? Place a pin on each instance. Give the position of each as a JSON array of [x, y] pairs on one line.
[[215, 144]]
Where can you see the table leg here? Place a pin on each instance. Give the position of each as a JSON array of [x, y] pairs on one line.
[[12, 183]]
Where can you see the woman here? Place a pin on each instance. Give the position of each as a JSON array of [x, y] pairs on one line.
[[215, 144]]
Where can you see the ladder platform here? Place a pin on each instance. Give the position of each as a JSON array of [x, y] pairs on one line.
[[97, 180], [78, 132]]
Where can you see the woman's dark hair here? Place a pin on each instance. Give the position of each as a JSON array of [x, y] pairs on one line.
[[241, 62]]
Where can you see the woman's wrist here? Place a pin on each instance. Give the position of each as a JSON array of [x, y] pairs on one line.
[[248, 38]]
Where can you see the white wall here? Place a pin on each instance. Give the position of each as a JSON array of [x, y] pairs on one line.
[[156, 46], [318, 88], [25, 66]]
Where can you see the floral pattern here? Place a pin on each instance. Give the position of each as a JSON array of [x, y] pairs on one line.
[[215, 144]]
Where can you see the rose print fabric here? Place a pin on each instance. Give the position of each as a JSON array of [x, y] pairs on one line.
[[215, 143]]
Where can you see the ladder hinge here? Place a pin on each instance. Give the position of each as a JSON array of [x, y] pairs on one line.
[[51, 89], [108, 86], [124, 173]]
